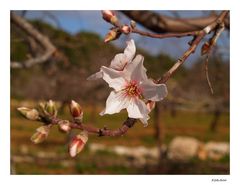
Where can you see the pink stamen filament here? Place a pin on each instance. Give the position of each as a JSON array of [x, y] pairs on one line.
[[132, 89]]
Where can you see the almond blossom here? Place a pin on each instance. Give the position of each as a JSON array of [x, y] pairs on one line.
[[131, 89]]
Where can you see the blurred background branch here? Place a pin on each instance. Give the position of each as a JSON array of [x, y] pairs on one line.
[[165, 24], [34, 37]]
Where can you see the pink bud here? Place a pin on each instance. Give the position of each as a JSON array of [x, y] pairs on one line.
[[77, 144], [40, 135], [126, 29], [76, 111], [31, 114], [109, 16], [111, 35], [151, 105], [64, 126]]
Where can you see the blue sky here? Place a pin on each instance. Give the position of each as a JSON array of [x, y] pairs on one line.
[[75, 21]]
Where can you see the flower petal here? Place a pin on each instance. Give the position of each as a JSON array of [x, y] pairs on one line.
[[121, 59], [144, 120], [153, 91], [135, 69], [119, 62], [137, 109], [130, 50], [96, 76], [115, 103], [113, 78]]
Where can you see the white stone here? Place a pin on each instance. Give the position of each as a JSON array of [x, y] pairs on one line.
[[183, 148], [216, 150]]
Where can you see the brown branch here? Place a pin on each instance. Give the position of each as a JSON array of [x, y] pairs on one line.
[[193, 46], [100, 131], [164, 24], [166, 35], [50, 49]]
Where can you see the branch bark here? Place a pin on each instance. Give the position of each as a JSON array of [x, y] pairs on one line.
[[164, 24], [100, 131], [49, 48], [193, 46]]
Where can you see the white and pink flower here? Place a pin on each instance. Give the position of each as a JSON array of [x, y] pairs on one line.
[[132, 88]]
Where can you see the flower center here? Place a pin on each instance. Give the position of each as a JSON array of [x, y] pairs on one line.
[[132, 89]]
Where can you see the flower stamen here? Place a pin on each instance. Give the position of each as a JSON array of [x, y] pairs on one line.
[[133, 90]]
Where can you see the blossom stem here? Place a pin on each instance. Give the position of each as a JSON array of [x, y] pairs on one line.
[[100, 131]]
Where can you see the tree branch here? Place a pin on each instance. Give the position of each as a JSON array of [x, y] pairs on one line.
[[49, 48], [100, 131], [164, 24], [131, 121], [165, 35], [193, 46]]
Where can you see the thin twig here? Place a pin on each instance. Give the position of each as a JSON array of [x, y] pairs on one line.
[[207, 74], [193, 46]]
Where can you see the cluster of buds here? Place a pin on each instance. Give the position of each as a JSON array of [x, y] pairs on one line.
[[115, 32], [47, 114]]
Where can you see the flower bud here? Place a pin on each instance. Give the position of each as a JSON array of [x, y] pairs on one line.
[[150, 105], [109, 16], [40, 135], [112, 35], [50, 108], [76, 111], [205, 48], [77, 143], [126, 29], [64, 126], [133, 24], [31, 114]]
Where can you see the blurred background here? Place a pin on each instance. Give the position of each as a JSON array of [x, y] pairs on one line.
[[188, 132]]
